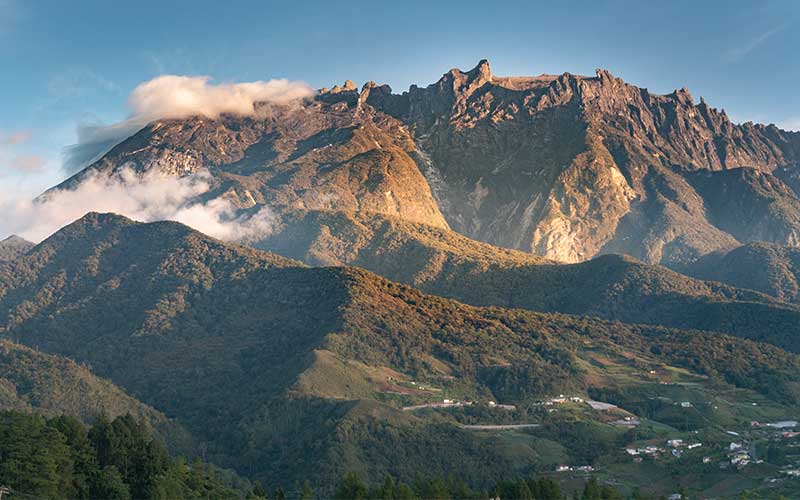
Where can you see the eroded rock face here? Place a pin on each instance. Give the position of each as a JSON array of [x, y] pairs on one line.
[[570, 166], [329, 153], [566, 167]]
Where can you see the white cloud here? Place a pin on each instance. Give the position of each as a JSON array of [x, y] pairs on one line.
[[738, 53], [152, 196], [172, 97], [149, 198]]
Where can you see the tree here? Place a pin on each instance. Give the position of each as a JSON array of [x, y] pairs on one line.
[[386, 491], [83, 456], [58, 458], [307, 492], [34, 458], [352, 488], [592, 490], [404, 492], [128, 446], [513, 489], [107, 483], [545, 489], [259, 491]]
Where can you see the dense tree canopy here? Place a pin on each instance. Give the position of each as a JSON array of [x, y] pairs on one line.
[[113, 459]]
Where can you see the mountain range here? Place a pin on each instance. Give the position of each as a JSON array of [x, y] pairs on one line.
[[489, 276], [565, 167]]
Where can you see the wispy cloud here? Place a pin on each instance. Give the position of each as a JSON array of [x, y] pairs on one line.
[[26, 163], [738, 53]]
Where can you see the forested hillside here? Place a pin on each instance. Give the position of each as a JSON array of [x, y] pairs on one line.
[[293, 373], [118, 459], [769, 268], [444, 263]]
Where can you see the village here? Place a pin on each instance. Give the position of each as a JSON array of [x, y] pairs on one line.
[[738, 453], [449, 403]]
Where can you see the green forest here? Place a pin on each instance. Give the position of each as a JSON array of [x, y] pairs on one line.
[[60, 457], [120, 459]]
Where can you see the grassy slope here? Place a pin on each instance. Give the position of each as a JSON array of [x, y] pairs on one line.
[[33, 381]]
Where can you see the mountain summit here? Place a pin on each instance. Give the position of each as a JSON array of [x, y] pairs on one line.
[[564, 166], [571, 166]]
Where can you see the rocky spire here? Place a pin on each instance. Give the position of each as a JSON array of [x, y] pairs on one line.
[[481, 72]]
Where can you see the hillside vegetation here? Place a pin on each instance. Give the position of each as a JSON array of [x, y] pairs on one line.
[[441, 262], [768, 268], [54, 385], [59, 457], [294, 373], [12, 247]]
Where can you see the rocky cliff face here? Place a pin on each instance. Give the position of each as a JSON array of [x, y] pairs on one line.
[[570, 166], [328, 153], [566, 167]]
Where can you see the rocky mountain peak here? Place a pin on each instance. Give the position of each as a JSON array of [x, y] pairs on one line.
[[374, 91], [604, 75], [348, 86], [565, 166], [683, 96], [576, 165], [482, 70], [465, 83]]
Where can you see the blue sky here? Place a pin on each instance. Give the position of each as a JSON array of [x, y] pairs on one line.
[[71, 63]]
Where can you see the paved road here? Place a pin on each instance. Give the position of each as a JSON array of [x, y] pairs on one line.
[[498, 427], [436, 405]]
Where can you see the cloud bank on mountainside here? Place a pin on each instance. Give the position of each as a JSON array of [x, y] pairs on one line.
[[146, 198], [175, 97], [152, 196]]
